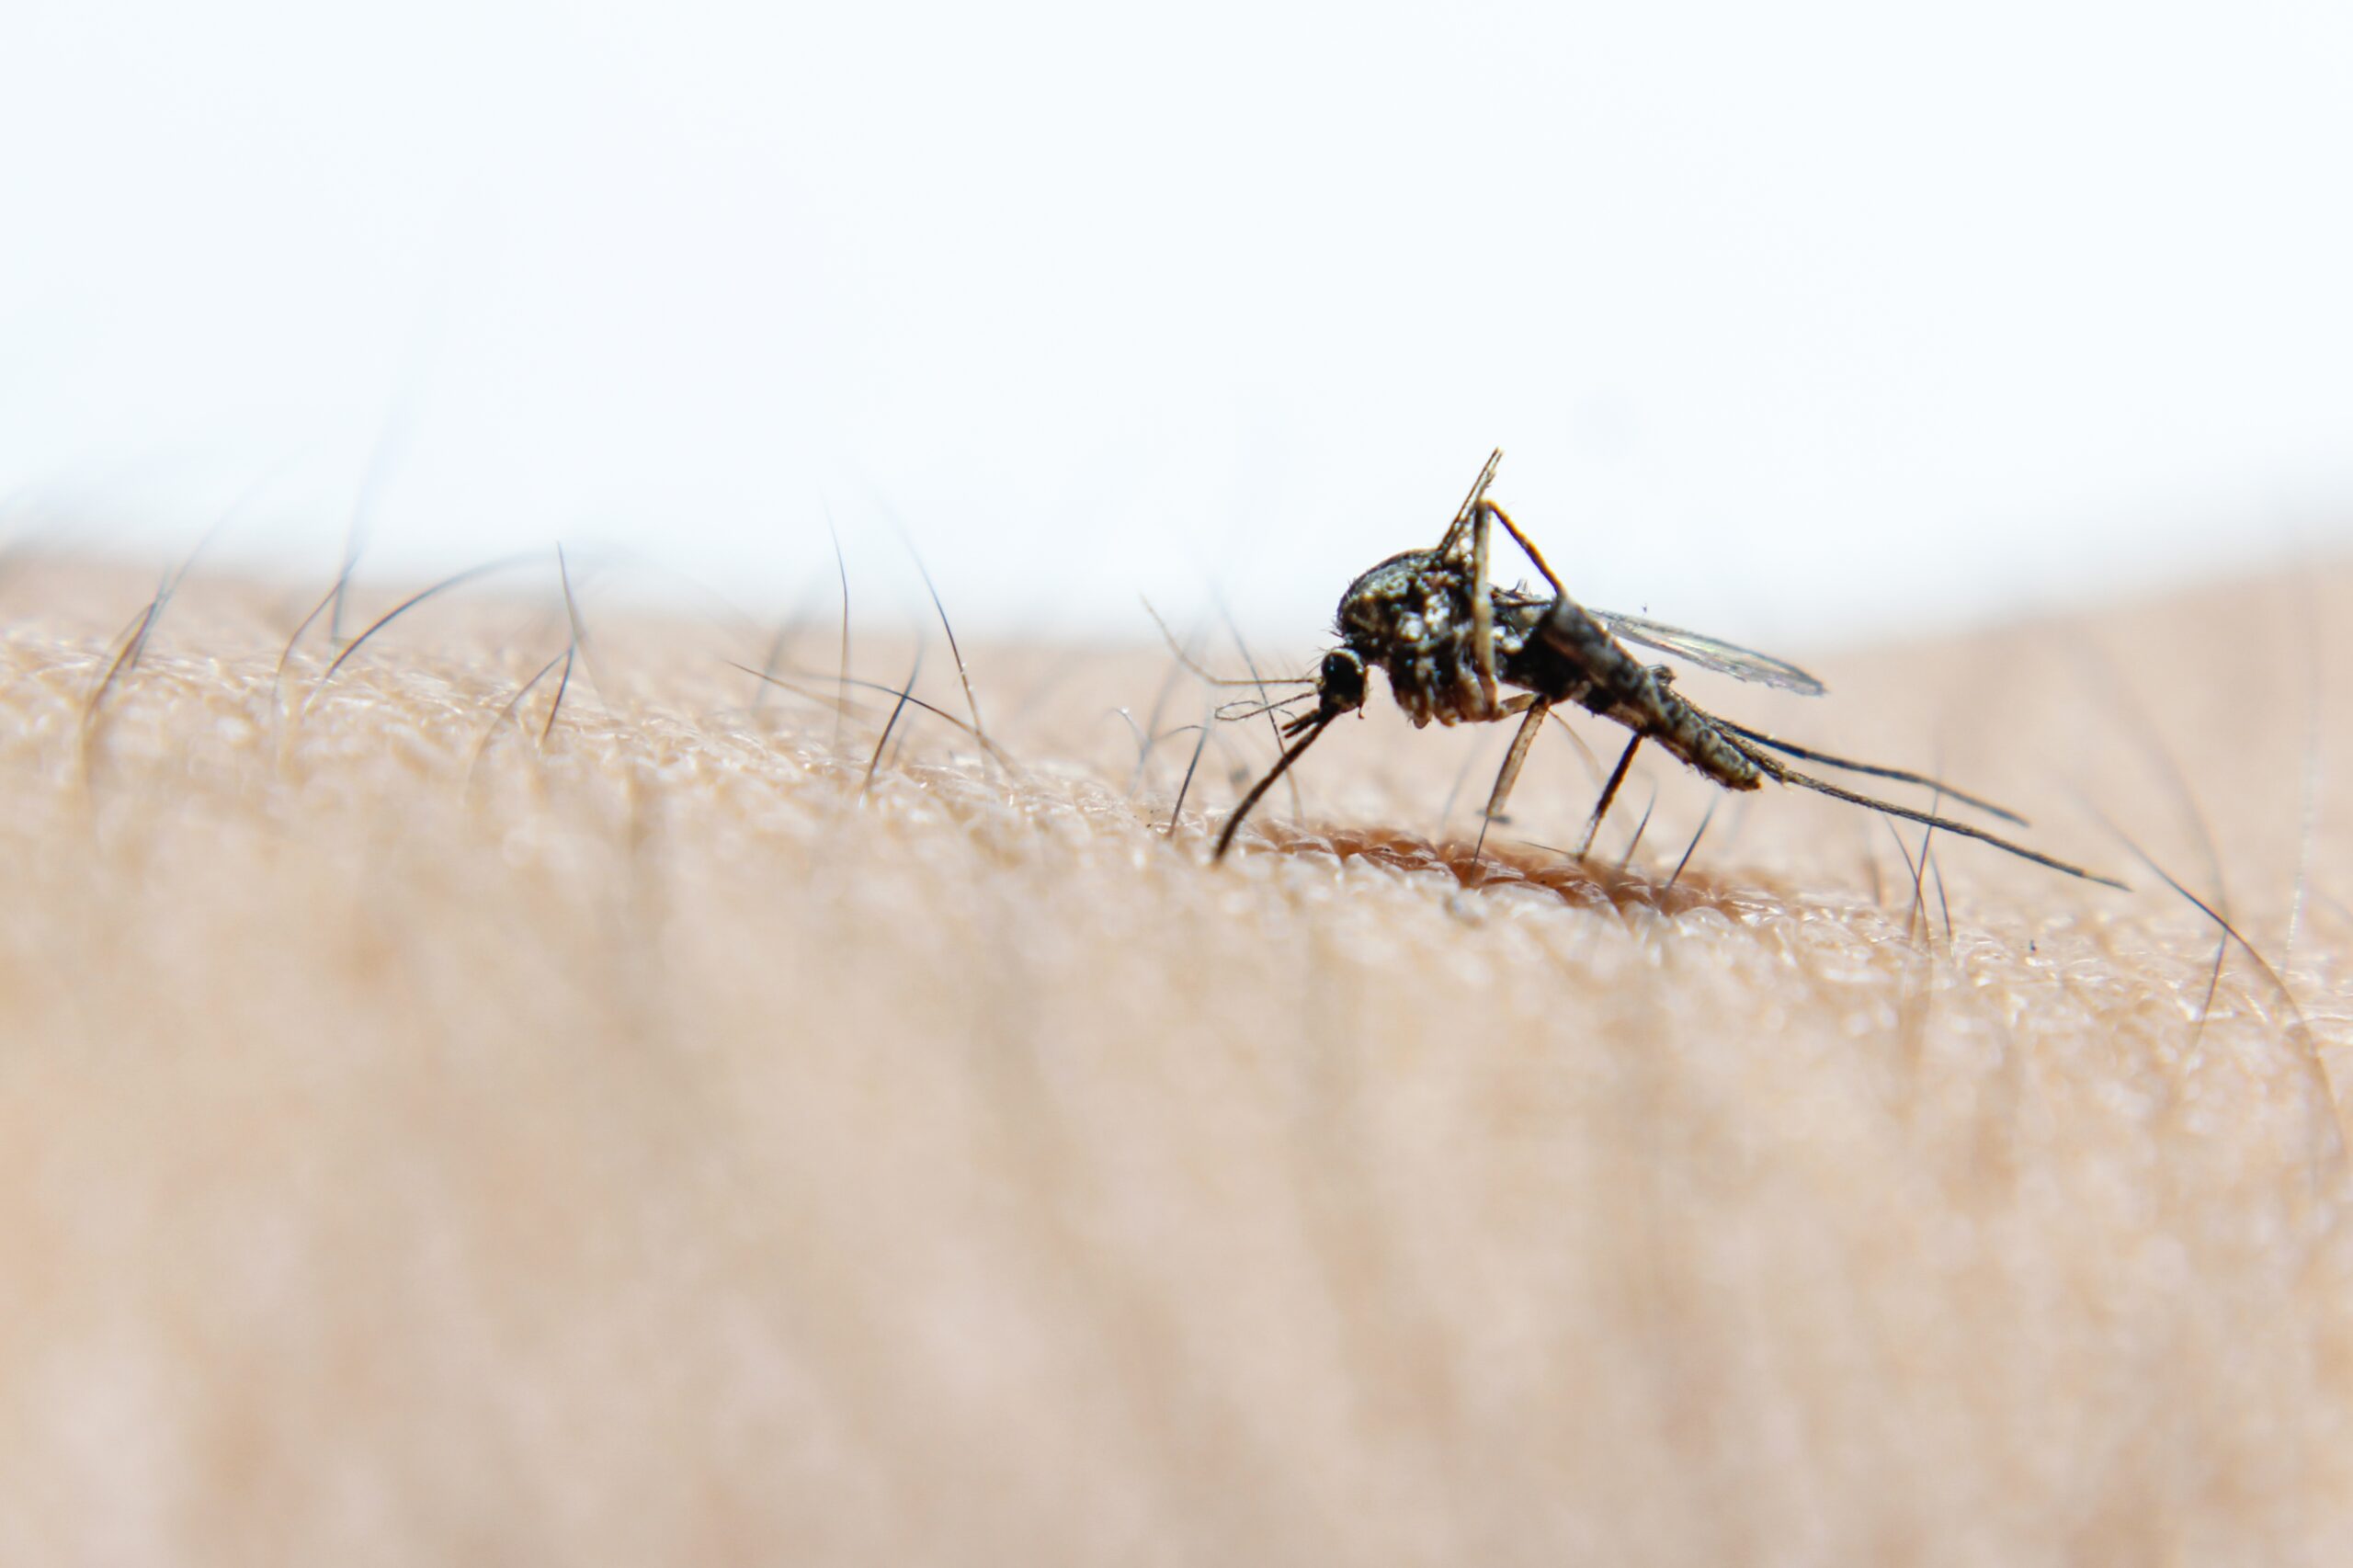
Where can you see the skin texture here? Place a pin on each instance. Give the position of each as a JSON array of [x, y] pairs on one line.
[[421, 1141]]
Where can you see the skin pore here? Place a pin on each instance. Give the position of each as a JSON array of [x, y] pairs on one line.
[[692, 1127]]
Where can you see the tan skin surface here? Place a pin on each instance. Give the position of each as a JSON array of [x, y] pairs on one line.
[[647, 1145]]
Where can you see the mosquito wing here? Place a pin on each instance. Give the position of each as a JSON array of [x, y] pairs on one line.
[[1711, 654]]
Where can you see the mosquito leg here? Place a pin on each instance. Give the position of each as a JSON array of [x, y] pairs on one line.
[[1535, 710], [1781, 772], [1526, 544], [1608, 793], [1483, 613]]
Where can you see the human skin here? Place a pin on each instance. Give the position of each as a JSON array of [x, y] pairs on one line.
[[424, 1137]]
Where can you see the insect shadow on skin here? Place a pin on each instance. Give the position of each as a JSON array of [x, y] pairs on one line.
[[1449, 640]]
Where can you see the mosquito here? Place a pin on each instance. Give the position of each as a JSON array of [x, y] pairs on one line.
[[1449, 640]]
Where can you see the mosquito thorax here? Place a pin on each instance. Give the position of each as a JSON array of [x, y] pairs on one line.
[[1406, 602]]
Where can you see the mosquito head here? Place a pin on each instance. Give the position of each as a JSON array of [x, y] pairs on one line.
[[1339, 689]]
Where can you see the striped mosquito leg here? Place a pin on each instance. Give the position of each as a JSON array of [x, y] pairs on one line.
[[1513, 760]]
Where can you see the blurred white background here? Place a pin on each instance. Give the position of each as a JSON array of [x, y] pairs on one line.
[[1801, 323]]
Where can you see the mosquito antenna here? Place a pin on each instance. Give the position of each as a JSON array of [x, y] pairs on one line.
[[1782, 773], [1897, 774], [1317, 726], [1243, 708]]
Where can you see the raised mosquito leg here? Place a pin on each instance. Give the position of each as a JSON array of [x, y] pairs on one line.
[[1483, 613], [1535, 708], [1522, 540], [1608, 793]]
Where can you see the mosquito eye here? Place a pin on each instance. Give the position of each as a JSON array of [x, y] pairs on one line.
[[1341, 681]]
